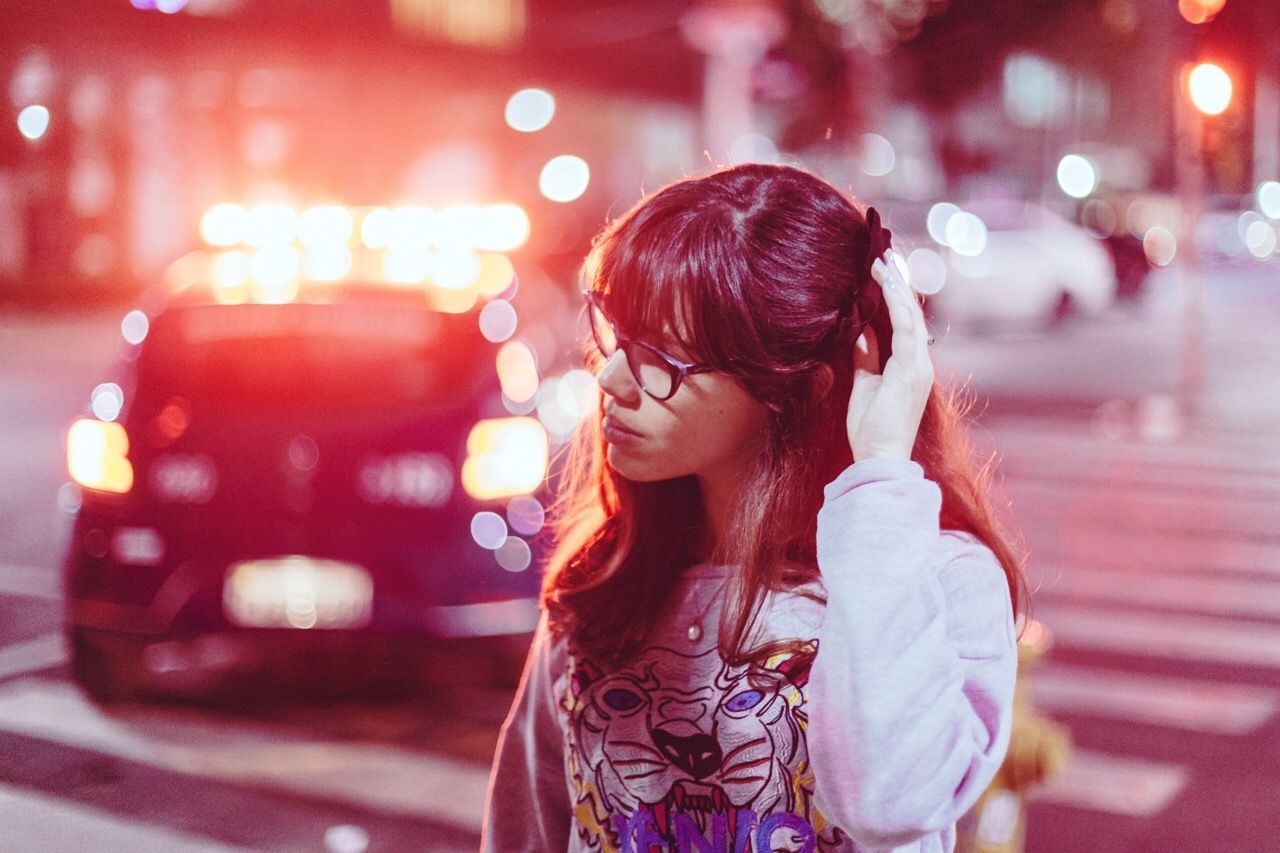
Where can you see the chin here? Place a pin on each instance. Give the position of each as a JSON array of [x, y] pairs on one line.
[[628, 467]]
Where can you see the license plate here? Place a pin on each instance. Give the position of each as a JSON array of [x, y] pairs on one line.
[[298, 592]]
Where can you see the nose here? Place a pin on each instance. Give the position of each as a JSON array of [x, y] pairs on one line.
[[615, 378], [696, 754]]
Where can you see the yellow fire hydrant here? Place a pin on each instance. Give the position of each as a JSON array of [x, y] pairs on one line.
[[1038, 749]]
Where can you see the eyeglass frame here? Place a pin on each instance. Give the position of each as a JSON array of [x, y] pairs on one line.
[[676, 368]]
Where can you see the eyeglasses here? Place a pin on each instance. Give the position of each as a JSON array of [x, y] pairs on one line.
[[656, 372]]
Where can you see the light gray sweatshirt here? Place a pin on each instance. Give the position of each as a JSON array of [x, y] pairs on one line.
[[879, 731]]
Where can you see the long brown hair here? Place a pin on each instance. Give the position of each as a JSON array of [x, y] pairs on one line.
[[763, 268]]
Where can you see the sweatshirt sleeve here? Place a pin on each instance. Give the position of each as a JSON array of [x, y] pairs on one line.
[[911, 691], [527, 804]]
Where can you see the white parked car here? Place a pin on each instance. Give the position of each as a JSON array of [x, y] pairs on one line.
[[1002, 263]]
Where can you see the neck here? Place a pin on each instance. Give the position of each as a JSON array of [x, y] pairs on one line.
[[721, 491]]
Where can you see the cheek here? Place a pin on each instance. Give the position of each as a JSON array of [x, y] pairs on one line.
[[738, 422]]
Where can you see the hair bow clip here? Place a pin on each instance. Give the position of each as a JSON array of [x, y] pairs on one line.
[[884, 264]]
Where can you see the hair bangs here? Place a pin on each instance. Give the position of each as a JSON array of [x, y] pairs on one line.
[[667, 285]]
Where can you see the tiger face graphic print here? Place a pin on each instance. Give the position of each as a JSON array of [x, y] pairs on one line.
[[683, 751]]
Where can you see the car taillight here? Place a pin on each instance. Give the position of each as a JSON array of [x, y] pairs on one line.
[[97, 455], [505, 457]]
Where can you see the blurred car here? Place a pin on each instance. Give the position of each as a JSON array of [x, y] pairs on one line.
[[327, 495], [1003, 263]]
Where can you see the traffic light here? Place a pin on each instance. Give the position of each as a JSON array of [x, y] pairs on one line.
[[1210, 88]]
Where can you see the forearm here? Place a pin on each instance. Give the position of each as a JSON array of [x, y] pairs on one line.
[[904, 731]]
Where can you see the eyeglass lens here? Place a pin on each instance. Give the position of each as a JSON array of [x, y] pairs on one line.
[[649, 369]]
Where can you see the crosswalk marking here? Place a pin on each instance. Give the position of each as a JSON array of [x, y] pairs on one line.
[[33, 821], [391, 779], [1153, 551], [1068, 472], [39, 653], [1179, 636], [1183, 703], [1133, 787], [1117, 511], [30, 582], [1215, 595]]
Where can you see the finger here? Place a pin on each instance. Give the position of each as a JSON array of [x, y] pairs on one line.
[[896, 269], [905, 332], [916, 305]]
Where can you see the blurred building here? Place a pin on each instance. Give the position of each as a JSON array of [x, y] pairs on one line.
[[126, 120]]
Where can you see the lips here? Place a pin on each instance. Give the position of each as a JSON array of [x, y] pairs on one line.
[[610, 422]]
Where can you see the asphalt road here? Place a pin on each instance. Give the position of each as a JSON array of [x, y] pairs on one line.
[[1155, 550]]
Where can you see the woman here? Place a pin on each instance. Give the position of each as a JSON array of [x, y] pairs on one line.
[[750, 640]]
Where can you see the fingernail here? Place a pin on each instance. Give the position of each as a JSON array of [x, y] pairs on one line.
[[880, 272], [900, 266]]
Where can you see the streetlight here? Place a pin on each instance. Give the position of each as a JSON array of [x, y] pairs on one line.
[[1203, 90]]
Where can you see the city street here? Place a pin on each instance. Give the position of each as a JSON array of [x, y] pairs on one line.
[[1155, 560]]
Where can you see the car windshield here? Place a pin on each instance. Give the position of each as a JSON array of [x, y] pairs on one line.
[[315, 355]]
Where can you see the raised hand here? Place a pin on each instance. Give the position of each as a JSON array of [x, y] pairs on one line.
[[885, 409]]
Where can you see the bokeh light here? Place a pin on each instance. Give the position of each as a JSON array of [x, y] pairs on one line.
[[271, 225], [1077, 176], [498, 320], [530, 109], [456, 269], [517, 371], [274, 273], [564, 400], [97, 455], [514, 554], [497, 274], [488, 529], [1260, 239], [106, 401], [505, 457], [134, 326], [230, 269], [326, 262], [1269, 199], [325, 225], [1200, 11], [1160, 245], [876, 156], [526, 515], [966, 234], [407, 264], [457, 227], [375, 229], [564, 178], [452, 300], [928, 270], [502, 228], [224, 225], [1244, 221], [936, 222], [33, 121], [1210, 88], [410, 226]]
